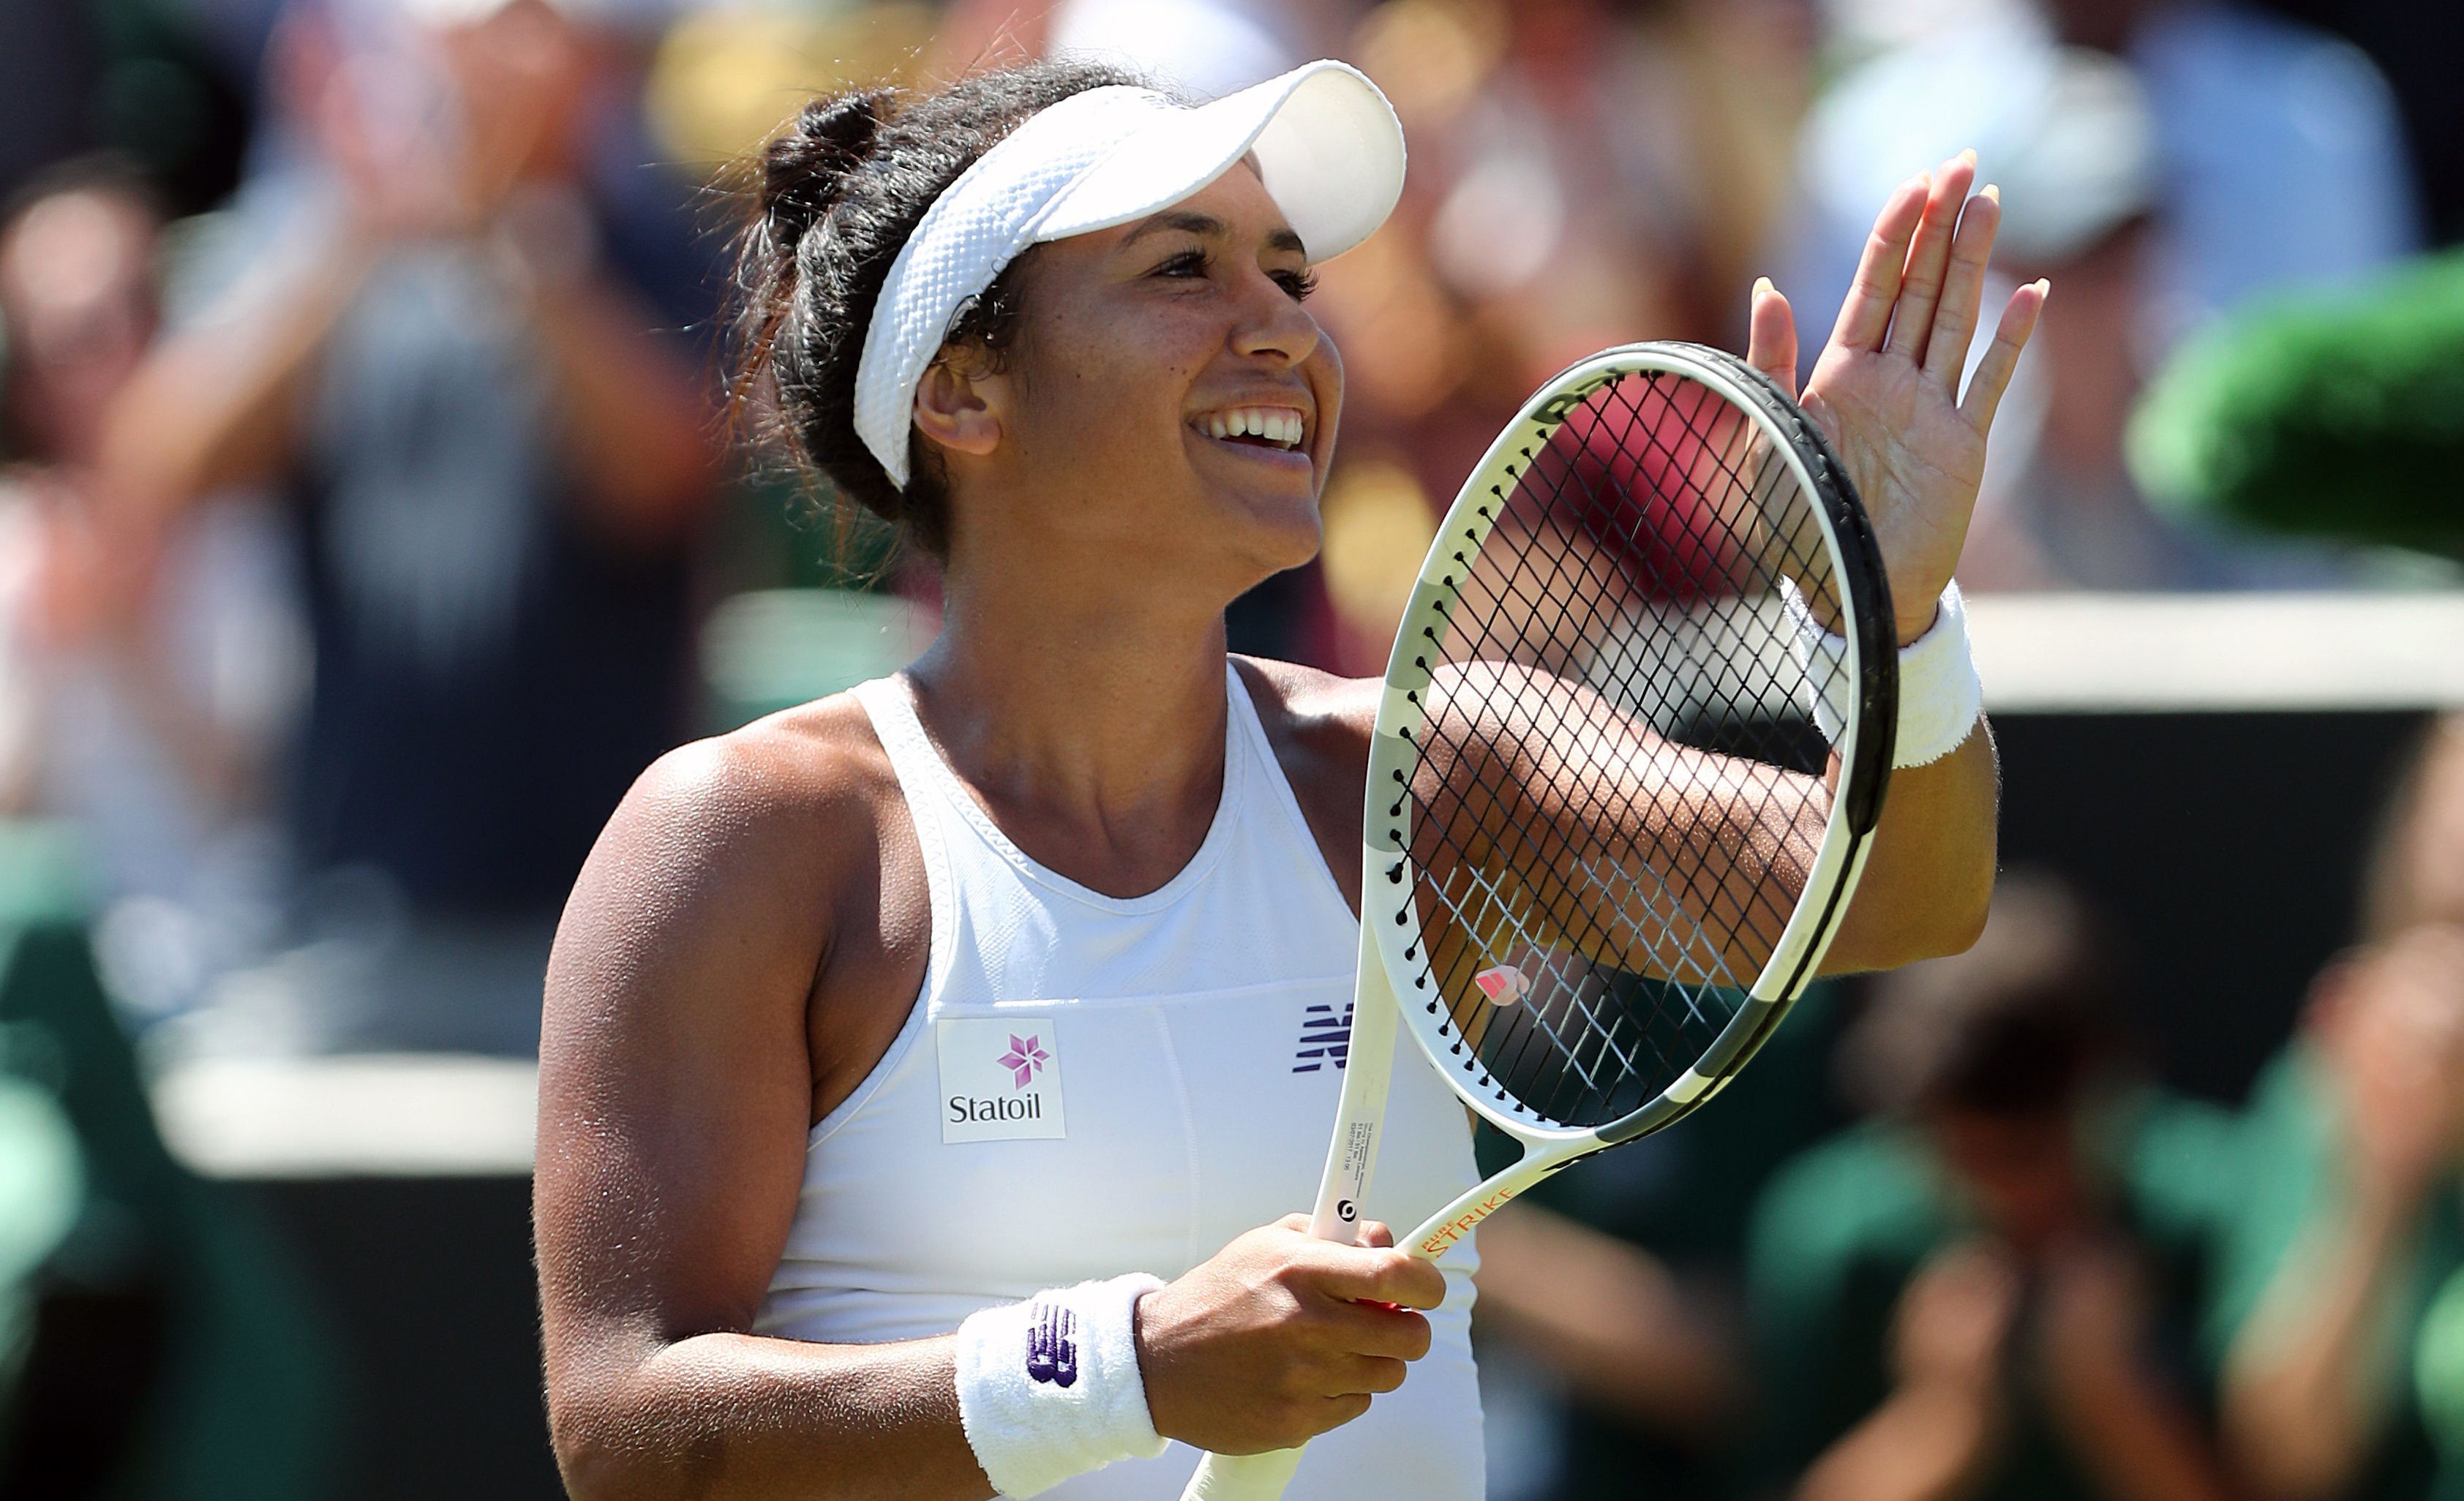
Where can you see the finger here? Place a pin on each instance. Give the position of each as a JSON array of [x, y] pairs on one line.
[[1374, 1233], [1381, 1276], [1866, 315], [1963, 288], [1930, 257], [1382, 1330], [1373, 1374], [1340, 1410], [1770, 338], [1993, 375]]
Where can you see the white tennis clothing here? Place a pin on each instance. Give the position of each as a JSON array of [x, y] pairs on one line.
[[1090, 1085]]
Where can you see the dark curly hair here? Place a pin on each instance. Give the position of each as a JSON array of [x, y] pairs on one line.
[[837, 194]]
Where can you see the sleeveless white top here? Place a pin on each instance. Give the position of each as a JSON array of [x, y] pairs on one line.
[[1090, 1085]]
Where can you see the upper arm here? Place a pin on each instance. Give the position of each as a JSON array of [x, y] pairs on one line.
[[675, 1074]]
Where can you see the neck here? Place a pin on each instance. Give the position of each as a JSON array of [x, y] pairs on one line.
[[1088, 715]]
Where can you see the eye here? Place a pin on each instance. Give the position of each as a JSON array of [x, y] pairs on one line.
[[1299, 283], [1188, 263]]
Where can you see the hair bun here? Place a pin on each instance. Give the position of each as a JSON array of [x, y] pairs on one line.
[[806, 163]]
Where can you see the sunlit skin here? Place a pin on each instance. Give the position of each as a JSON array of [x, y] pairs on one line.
[[753, 929]]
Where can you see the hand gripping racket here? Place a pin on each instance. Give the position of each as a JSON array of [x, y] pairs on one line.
[[1604, 846]]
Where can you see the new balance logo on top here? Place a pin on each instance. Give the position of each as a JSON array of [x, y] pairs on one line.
[[1323, 1039], [1052, 1346]]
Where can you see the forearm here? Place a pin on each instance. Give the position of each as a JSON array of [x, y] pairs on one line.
[[220, 404], [2138, 1444], [1929, 876], [1929, 1442], [722, 1416], [2304, 1384]]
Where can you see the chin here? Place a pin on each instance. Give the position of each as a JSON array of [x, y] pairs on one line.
[[1274, 532]]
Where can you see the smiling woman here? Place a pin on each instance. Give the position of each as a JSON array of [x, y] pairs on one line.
[[1022, 969]]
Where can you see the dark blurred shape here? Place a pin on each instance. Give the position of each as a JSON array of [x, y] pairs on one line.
[[47, 76], [2328, 417], [2419, 45], [2345, 1274], [2020, 1026], [1995, 1289], [80, 76], [170, 1354]]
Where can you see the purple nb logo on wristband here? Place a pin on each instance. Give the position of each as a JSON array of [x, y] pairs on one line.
[[1052, 1345]]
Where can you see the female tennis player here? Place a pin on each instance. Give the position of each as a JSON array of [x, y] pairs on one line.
[[899, 1048]]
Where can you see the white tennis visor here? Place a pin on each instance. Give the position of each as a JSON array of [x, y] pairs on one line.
[[1328, 150]]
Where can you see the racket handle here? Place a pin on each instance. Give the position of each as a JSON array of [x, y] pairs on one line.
[[1243, 1477]]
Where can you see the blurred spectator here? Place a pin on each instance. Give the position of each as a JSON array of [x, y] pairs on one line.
[[145, 684], [427, 320], [2162, 163], [2348, 1273], [1991, 1291]]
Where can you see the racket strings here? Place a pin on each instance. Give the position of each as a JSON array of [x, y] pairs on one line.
[[1592, 903], [1679, 825]]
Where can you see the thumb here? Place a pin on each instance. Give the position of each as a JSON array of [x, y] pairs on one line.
[[1771, 343]]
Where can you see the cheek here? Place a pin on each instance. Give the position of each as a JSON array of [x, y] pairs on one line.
[[1115, 383]]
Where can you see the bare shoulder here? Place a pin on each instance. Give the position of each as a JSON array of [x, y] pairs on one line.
[[733, 861], [1315, 715], [792, 795]]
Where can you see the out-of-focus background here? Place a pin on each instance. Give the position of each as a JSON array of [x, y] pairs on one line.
[[367, 520]]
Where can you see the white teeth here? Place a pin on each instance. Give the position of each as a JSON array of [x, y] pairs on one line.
[[1277, 425]]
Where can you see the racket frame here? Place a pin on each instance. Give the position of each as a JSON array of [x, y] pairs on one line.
[[1390, 920], [1391, 939]]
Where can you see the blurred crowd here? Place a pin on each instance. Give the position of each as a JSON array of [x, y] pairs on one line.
[[368, 519]]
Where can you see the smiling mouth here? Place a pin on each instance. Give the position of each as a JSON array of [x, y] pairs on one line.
[[1275, 429]]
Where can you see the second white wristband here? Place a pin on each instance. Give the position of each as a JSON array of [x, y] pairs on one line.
[[1940, 696]]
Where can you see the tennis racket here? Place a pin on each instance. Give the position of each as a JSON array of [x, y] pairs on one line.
[[1604, 847]]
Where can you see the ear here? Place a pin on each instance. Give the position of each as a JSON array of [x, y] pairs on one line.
[[960, 406]]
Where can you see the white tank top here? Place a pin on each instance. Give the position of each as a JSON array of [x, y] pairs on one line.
[[1090, 1085]]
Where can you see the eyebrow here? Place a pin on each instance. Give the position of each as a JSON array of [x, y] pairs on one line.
[[1207, 227]]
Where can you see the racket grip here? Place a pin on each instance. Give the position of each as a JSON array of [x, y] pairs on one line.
[[1243, 1477]]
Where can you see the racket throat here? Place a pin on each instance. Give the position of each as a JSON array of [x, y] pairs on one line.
[[1369, 1069], [1453, 1226]]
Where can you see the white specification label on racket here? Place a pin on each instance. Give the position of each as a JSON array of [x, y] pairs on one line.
[[1000, 1080]]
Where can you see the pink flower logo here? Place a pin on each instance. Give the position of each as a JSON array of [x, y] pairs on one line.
[[1025, 1060]]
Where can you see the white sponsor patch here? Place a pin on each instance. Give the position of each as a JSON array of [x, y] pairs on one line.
[[1000, 1080]]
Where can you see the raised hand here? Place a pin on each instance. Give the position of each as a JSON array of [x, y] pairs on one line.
[[1887, 389]]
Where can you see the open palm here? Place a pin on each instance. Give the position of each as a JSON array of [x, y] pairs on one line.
[[1887, 389]]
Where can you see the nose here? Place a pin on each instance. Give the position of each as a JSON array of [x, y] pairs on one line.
[[1272, 325]]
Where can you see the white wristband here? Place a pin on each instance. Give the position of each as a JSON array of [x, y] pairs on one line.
[[1051, 1388], [1940, 695]]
